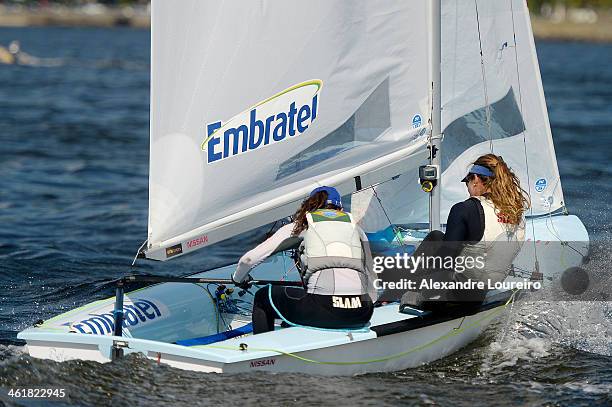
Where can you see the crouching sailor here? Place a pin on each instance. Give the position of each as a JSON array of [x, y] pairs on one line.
[[489, 225], [335, 264]]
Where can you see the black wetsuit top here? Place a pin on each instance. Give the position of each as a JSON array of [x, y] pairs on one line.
[[465, 224]]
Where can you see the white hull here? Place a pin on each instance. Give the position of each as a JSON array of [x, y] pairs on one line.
[[365, 353]]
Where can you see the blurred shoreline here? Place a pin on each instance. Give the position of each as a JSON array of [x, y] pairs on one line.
[[96, 15], [90, 15], [568, 30]]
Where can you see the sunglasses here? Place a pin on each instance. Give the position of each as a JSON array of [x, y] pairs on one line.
[[469, 178]]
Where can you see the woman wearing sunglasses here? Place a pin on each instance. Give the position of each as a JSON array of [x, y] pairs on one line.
[[488, 225]]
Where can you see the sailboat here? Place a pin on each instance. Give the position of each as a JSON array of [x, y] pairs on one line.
[[254, 104]]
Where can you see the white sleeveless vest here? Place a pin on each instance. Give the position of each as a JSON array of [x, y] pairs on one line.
[[332, 241], [499, 245]]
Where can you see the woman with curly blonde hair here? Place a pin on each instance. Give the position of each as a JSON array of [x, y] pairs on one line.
[[489, 224], [500, 186]]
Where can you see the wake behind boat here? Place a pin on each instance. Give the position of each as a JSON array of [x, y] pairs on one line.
[[246, 119]]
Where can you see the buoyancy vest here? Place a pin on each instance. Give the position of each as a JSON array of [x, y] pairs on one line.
[[332, 241], [500, 244]]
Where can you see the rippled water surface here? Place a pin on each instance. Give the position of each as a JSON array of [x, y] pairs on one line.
[[73, 211]]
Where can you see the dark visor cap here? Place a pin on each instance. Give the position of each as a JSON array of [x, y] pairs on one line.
[[480, 170]]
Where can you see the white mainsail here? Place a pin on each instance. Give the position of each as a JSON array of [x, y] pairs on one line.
[[495, 105], [255, 103]]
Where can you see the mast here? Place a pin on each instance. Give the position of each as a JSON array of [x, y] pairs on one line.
[[436, 114]]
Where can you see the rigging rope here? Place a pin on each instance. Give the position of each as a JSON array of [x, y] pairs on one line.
[[138, 251], [484, 80], [453, 332], [528, 190], [396, 232], [553, 230]]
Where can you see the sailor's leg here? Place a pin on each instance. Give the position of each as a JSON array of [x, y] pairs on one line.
[[263, 313], [429, 247], [470, 300], [430, 244], [460, 301], [285, 299]]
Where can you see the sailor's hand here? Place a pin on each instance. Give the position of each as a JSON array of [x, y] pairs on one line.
[[245, 284]]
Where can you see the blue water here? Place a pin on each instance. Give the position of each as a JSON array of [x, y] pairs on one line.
[[73, 211]]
